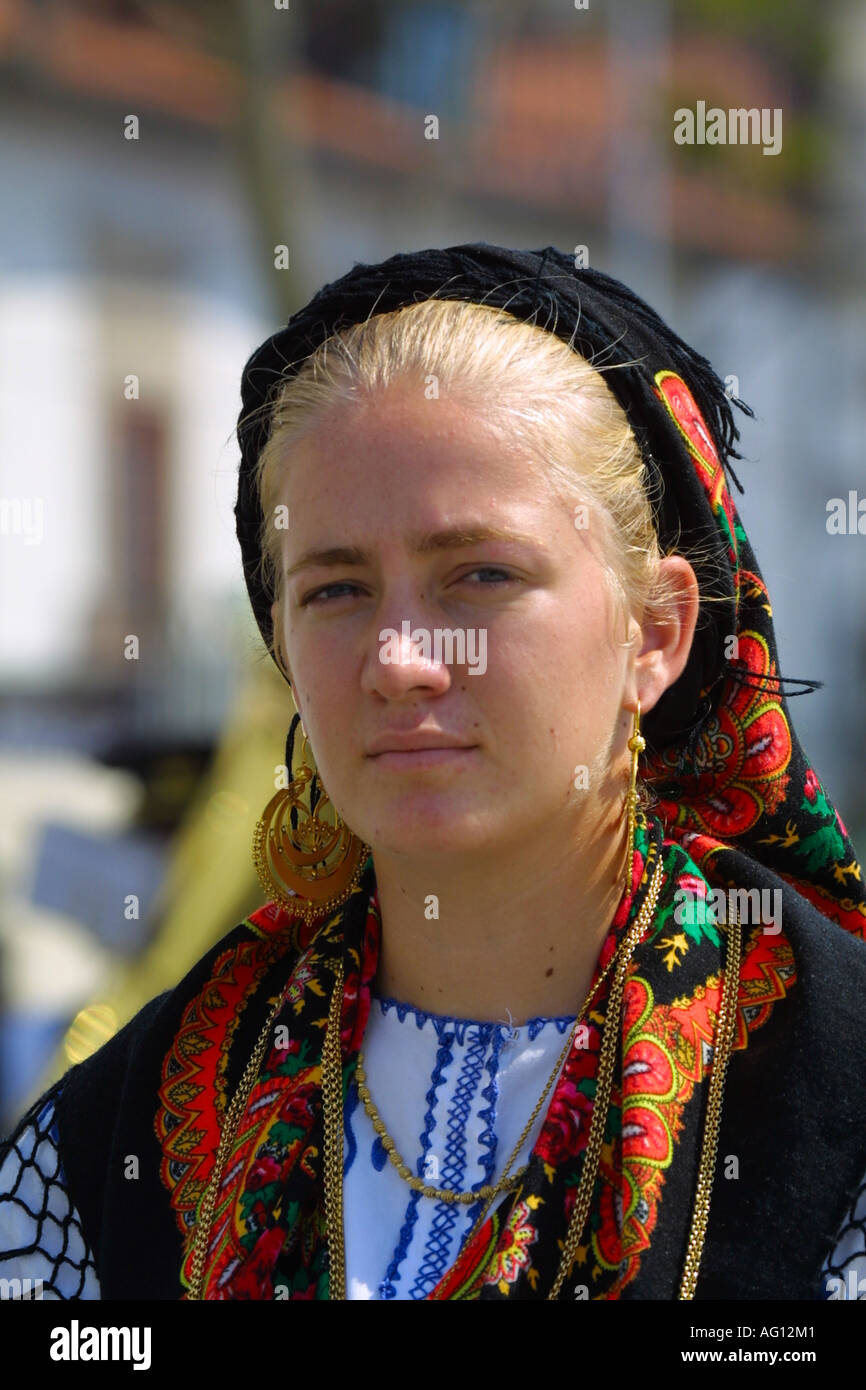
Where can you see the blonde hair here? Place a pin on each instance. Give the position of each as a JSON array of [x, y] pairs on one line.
[[526, 382]]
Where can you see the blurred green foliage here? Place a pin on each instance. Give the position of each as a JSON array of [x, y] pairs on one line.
[[799, 31], [795, 39], [806, 141]]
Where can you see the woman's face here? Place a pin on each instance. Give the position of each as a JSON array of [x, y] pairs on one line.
[[410, 516]]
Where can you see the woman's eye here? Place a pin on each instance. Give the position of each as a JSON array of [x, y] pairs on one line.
[[325, 589], [490, 569]]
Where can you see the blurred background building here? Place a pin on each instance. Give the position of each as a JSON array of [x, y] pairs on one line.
[[154, 156]]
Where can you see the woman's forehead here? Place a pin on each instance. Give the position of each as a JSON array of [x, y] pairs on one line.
[[412, 448]]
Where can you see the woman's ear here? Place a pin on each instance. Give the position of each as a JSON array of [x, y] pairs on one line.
[[665, 647]]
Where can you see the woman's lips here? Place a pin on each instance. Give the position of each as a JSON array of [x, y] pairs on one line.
[[417, 759]]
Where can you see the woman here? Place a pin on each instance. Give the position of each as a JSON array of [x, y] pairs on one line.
[[572, 1010]]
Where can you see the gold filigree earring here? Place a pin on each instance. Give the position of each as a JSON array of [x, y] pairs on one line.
[[637, 744], [304, 862]]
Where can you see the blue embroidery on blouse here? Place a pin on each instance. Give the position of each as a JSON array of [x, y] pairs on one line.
[[435, 1260], [444, 1055], [488, 1138], [485, 1035], [352, 1143], [458, 1026], [388, 1286], [378, 1154]]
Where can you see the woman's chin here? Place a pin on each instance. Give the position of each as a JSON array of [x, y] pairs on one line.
[[427, 847], [424, 824]]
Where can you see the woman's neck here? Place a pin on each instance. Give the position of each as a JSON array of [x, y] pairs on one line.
[[522, 931]]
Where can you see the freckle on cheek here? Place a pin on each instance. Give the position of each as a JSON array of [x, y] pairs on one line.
[[549, 972]]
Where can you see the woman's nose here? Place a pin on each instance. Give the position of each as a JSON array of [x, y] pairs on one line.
[[405, 657]]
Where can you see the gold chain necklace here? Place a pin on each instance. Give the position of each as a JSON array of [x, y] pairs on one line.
[[725, 1027], [332, 1102], [489, 1191], [621, 961], [442, 1194]]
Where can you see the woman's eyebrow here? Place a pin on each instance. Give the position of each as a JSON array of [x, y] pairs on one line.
[[422, 543]]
